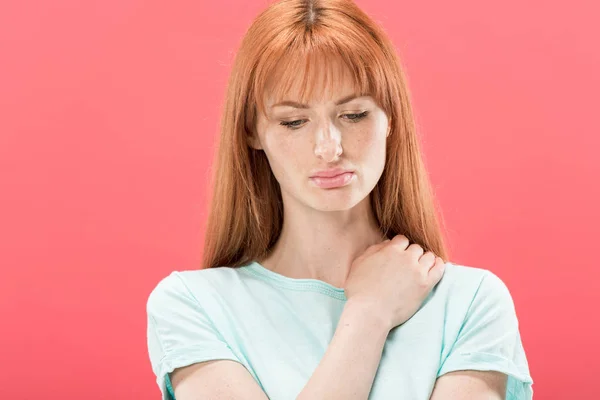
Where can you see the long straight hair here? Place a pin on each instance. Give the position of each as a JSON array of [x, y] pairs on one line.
[[287, 43]]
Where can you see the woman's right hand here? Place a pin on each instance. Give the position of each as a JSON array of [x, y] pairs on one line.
[[393, 278]]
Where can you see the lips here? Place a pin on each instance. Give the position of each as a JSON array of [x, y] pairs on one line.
[[330, 173], [335, 181]]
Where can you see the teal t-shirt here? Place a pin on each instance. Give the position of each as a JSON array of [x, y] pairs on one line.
[[279, 329]]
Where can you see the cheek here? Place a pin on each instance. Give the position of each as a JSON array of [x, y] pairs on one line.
[[277, 147], [284, 156], [369, 141]]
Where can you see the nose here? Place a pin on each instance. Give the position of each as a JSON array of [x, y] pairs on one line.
[[328, 144]]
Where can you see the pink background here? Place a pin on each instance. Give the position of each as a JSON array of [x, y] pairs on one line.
[[109, 111]]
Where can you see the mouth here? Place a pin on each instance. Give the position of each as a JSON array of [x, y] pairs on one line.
[[336, 181]]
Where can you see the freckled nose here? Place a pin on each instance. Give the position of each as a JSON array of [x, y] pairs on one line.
[[328, 146]]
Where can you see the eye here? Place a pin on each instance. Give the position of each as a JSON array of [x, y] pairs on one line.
[[296, 124], [356, 117], [292, 124]]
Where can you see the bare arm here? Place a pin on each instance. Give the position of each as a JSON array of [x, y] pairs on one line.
[[470, 385], [346, 371], [348, 367], [216, 380]]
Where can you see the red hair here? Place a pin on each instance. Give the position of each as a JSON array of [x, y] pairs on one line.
[[287, 43]]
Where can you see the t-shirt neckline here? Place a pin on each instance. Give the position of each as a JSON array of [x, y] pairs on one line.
[[299, 284]]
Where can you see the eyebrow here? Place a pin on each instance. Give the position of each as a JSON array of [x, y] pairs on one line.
[[341, 101]]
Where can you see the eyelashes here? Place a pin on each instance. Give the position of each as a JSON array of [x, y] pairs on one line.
[[352, 118]]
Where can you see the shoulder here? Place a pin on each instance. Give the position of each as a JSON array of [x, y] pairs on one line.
[[193, 285], [481, 328], [472, 279], [473, 289], [476, 300]]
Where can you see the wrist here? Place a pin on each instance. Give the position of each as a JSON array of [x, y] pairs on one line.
[[368, 313]]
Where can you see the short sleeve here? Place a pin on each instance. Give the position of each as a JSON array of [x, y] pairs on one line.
[[179, 331], [489, 339]]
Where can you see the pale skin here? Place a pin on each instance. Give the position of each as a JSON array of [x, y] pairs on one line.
[[385, 281]]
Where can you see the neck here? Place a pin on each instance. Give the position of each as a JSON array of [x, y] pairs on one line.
[[322, 244]]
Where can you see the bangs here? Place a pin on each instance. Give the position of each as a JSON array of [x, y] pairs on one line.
[[313, 65]]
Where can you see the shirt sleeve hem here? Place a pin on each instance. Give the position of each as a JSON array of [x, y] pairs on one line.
[[519, 385], [170, 362]]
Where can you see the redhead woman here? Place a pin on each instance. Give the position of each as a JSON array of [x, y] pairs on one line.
[[325, 274]]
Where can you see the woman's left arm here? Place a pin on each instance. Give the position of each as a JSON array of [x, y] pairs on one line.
[[470, 385]]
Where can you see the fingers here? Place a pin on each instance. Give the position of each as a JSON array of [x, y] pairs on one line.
[[427, 260], [400, 241], [433, 267], [437, 271], [416, 250], [374, 248]]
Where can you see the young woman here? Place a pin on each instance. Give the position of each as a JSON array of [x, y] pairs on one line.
[[323, 275]]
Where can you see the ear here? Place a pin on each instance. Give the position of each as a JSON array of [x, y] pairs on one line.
[[253, 140]]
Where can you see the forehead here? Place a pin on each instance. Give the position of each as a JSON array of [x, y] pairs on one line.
[[318, 79]]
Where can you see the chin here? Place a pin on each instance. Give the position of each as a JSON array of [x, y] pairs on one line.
[[335, 199]]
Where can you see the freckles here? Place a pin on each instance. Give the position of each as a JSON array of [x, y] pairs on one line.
[[285, 146], [275, 142], [366, 136], [283, 151], [367, 142]]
